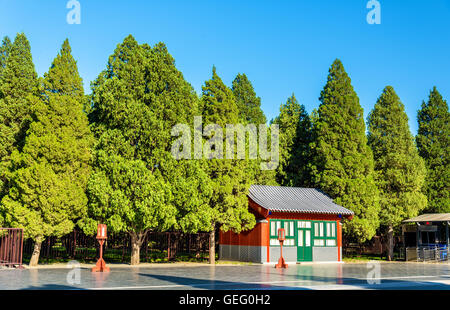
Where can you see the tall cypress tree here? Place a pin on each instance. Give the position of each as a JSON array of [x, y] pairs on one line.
[[400, 170], [135, 103], [433, 142], [18, 95], [5, 49], [49, 175], [250, 112], [343, 162], [249, 105], [228, 203], [295, 140]]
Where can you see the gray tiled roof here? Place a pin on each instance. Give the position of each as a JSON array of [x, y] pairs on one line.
[[430, 217], [295, 199]]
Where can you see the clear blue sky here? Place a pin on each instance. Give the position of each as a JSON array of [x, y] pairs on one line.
[[282, 46]]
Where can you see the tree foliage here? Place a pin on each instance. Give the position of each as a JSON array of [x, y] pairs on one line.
[[295, 140], [249, 105], [5, 49], [343, 162], [400, 170], [229, 178], [135, 103], [433, 142], [250, 112], [48, 176], [18, 91]]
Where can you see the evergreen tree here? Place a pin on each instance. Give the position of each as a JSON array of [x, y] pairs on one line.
[[295, 139], [5, 49], [343, 163], [433, 141], [63, 77], [229, 204], [248, 104], [18, 91], [400, 170], [48, 177], [250, 112], [135, 103]]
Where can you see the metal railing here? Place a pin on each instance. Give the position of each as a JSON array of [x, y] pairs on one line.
[[11, 247], [429, 253], [156, 247]]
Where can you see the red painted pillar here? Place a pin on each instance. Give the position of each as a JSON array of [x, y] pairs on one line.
[[339, 239]]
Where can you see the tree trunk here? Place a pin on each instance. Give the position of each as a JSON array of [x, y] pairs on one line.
[[212, 246], [136, 242], [36, 252], [390, 243]]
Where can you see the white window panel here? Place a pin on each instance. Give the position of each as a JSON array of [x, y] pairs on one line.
[[291, 229], [321, 229], [333, 230], [331, 242], [307, 238], [319, 242], [316, 229], [303, 224], [272, 228], [300, 238], [274, 242], [278, 226], [328, 229]]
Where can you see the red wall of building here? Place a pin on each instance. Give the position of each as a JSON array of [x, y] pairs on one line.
[[258, 236]]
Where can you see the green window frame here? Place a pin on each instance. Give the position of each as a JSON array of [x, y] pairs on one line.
[[324, 233], [290, 228]]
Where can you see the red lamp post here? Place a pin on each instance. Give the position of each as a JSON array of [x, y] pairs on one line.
[[101, 237], [281, 238]]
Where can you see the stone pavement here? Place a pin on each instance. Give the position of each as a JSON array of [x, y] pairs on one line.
[[225, 277]]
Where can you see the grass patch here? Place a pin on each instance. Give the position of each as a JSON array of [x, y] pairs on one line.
[[359, 258]]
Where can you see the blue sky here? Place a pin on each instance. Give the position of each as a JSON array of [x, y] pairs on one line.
[[282, 46]]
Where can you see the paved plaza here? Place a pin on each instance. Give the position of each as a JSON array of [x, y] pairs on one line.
[[236, 277]]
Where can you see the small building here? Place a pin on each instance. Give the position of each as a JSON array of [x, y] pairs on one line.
[[427, 237], [312, 221]]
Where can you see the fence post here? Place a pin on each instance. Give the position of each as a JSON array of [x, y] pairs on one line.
[[74, 243], [168, 246]]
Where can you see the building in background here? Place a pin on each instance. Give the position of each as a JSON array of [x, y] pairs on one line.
[[313, 224], [427, 237]]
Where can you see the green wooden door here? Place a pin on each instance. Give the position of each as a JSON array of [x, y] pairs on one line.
[[304, 246]]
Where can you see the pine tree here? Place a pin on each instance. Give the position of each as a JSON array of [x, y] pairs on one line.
[[295, 139], [343, 163], [135, 103], [249, 105], [63, 77], [18, 95], [250, 112], [229, 202], [49, 175], [5, 49], [433, 142], [400, 170]]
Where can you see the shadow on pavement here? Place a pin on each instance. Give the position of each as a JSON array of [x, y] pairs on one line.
[[319, 281], [218, 284]]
